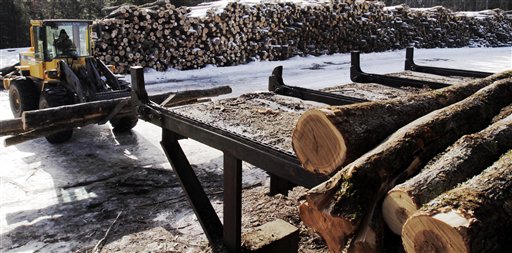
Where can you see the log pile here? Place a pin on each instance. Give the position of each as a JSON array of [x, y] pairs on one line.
[[424, 157], [161, 36]]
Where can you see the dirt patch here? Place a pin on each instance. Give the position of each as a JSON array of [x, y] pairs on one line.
[[264, 117]]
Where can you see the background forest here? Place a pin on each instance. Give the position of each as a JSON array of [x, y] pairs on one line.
[[15, 15]]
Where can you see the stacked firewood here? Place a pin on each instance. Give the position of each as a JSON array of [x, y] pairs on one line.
[[435, 168], [160, 35]]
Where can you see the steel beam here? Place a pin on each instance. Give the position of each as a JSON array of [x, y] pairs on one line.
[[410, 65], [358, 76], [196, 196], [276, 85], [232, 202]]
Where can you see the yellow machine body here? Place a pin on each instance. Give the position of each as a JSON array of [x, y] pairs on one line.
[[41, 61]]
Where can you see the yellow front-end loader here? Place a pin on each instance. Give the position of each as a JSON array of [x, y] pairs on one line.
[[59, 69]]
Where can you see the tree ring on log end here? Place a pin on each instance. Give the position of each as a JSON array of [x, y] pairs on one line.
[[423, 233], [397, 207], [317, 143]]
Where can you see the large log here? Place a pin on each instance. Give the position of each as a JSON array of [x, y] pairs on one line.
[[10, 126], [353, 192], [100, 109], [38, 123], [73, 113], [467, 157], [326, 139], [474, 217], [56, 127]]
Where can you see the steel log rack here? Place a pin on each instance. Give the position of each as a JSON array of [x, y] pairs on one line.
[[359, 76], [284, 169], [277, 85], [410, 65]]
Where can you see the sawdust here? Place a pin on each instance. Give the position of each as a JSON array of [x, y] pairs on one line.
[[263, 117]]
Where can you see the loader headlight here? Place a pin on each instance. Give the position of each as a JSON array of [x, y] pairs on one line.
[[53, 74]]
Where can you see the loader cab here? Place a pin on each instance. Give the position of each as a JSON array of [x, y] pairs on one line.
[[55, 40], [63, 39]]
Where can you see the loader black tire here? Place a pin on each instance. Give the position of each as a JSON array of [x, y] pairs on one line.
[[23, 96], [123, 124], [53, 97]]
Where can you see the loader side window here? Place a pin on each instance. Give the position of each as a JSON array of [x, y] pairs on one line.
[[38, 45]]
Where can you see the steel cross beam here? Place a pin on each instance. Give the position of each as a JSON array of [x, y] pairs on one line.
[[359, 76], [410, 65], [276, 85]]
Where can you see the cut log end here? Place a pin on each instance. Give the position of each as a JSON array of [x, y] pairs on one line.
[[397, 207], [318, 144], [438, 233], [334, 230]]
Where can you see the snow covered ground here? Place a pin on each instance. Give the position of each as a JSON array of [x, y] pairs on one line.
[[49, 191]]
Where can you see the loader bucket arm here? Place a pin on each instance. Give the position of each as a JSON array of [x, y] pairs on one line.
[[111, 78]]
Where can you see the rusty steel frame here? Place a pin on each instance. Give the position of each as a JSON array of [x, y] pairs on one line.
[[277, 85], [410, 65], [359, 76], [284, 169]]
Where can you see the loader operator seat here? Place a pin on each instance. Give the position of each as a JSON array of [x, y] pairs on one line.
[[64, 45]]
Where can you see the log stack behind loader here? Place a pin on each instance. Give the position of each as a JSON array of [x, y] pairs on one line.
[[161, 35], [441, 139]]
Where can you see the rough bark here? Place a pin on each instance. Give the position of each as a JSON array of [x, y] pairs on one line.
[[73, 113], [355, 190], [505, 112], [474, 217], [190, 95], [326, 139], [53, 128], [38, 123], [101, 109], [467, 157], [10, 126]]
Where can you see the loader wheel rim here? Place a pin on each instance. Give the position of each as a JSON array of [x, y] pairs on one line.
[[16, 100]]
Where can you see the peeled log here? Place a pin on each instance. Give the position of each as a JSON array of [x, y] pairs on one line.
[[467, 157], [474, 217], [326, 139], [354, 191]]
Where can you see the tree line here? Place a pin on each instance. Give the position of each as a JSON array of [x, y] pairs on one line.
[[15, 15]]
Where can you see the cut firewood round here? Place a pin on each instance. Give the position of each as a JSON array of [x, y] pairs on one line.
[[326, 139], [396, 208], [333, 229], [473, 217], [353, 192], [436, 233], [466, 158], [314, 127]]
